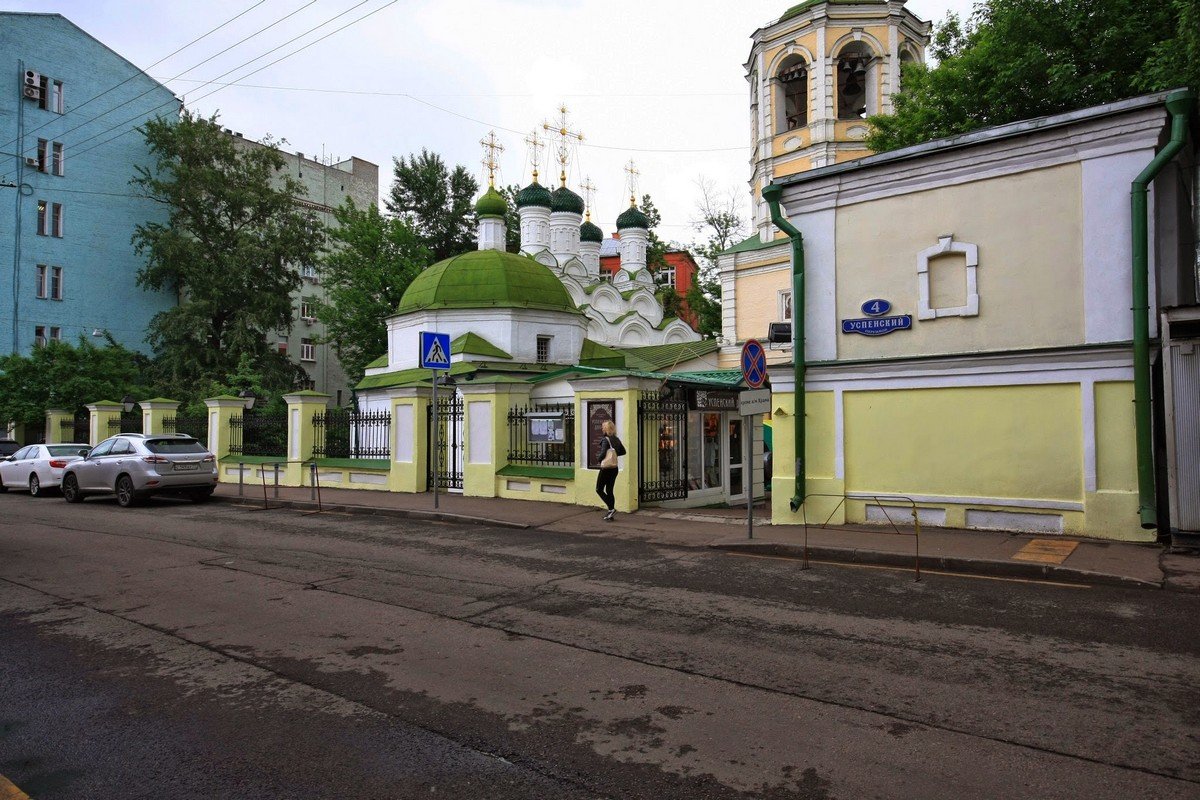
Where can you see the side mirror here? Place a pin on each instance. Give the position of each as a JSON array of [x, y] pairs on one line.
[[7, 458], [84, 452]]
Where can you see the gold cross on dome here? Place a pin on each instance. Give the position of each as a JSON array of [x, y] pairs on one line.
[[491, 148], [537, 146], [632, 181], [566, 137], [589, 194]]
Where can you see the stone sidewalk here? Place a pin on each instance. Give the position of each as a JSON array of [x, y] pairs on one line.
[[1057, 558]]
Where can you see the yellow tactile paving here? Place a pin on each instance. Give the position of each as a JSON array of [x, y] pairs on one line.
[[1046, 551], [9, 791]]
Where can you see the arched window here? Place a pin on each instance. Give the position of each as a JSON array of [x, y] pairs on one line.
[[855, 82], [906, 57], [792, 94]]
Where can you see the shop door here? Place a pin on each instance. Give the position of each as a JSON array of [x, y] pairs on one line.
[[737, 476]]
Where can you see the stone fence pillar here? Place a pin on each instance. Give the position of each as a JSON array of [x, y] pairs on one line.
[[102, 414], [154, 412], [56, 420]]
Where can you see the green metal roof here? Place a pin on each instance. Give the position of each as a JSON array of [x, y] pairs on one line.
[[723, 377], [800, 8], [476, 345], [382, 361], [563, 199], [590, 232], [487, 279], [632, 218], [664, 356], [491, 204], [595, 354], [533, 195], [754, 243]]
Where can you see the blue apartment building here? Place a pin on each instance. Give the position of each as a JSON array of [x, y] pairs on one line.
[[69, 110]]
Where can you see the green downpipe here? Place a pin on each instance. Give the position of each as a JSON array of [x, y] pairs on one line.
[[1180, 105], [771, 194]]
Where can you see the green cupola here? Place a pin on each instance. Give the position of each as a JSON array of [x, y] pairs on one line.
[[564, 199], [486, 279], [590, 232], [534, 195], [633, 218], [491, 204]]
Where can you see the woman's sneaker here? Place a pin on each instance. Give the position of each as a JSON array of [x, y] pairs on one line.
[[608, 517]]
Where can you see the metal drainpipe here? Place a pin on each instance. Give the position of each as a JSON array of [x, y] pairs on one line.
[[771, 194], [1180, 105]]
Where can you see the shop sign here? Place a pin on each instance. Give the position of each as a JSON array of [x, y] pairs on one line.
[[547, 427], [707, 400], [756, 401], [879, 326]]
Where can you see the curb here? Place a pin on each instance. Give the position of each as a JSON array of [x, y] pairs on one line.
[[959, 564], [373, 511]]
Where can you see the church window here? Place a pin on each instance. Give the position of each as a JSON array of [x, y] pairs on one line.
[[543, 349], [793, 94], [855, 82]]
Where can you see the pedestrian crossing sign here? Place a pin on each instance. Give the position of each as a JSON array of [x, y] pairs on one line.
[[435, 350]]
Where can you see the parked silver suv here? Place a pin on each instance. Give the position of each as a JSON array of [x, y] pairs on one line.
[[134, 466]]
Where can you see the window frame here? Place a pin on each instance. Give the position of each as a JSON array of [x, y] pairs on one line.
[[43, 217], [43, 155], [542, 354], [308, 350], [42, 281], [56, 220], [786, 312], [39, 336], [57, 159], [58, 96], [55, 333], [56, 285]]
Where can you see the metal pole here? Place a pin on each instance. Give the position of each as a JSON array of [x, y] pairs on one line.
[[437, 439], [276, 480], [748, 426], [241, 478], [312, 481]]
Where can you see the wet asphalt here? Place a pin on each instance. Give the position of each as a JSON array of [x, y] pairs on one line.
[[188, 651]]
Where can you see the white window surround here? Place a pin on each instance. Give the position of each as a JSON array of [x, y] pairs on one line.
[[785, 305], [946, 244]]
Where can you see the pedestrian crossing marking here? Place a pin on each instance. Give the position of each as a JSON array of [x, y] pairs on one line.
[[434, 350], [435, 354], [1046, 551]]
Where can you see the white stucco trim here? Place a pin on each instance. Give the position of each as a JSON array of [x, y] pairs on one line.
[[946, 244], [1003, 502]]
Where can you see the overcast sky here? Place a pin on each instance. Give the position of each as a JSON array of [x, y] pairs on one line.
[[659, 82]]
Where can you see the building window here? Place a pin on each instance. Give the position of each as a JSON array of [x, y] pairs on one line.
[[308, 351], [57, 159], [793, 94], [281, 346], [43, 219], [43, 155], [56, 283], [666, 276], [55, 334], [57, 101], [785, 305], [44, 93], [309, 273], [39, 336], [855, 82], [41, 280], [306, 310], [543, 349], [56, 220]]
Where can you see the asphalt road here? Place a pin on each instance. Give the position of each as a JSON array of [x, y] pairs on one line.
[[212, 651]]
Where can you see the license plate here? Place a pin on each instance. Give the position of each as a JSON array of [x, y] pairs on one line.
[[182, 466]]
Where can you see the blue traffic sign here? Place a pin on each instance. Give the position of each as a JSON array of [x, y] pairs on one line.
[[435, 350], [754, 363]]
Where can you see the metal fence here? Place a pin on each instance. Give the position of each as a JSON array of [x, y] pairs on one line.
[[76, 430], [542, 434], [258, 435], [339, 433], [662, 448], [196, 425], [126, 423]]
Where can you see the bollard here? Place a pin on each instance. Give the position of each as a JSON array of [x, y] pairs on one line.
[[241, 476], [276, 481], [312, 481]]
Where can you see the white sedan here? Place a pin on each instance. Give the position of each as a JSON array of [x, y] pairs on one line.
[[37, 467]]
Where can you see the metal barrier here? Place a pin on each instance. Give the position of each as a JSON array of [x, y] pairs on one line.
[[879, 500], [262, 472]]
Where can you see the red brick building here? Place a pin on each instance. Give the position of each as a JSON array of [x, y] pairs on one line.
[[680, 272]]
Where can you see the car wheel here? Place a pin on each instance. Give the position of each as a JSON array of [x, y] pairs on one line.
[[70, 489], [126, 496], [200, 495], [35, 486]]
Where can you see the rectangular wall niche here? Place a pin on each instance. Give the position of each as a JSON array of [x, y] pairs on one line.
[[947, 285]]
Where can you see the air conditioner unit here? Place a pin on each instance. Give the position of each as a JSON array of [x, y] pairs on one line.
[[33, 78], [779, 333], [32, 92], [30, 161]]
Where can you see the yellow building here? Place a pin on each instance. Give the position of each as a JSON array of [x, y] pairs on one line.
[[967, 324], [815, 74]]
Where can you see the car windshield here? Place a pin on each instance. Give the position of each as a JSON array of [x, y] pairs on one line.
[[57, 450], [169, 446]]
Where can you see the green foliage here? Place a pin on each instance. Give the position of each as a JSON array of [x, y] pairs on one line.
[[229, 250], [370, 263], [513, 220], [1019, 59], [656, 249], [719, 220], [436, 203], [61, 375]]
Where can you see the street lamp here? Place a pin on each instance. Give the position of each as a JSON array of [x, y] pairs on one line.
[[127, 403], [248, 398]]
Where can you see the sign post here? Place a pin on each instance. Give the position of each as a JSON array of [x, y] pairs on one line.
[[434, 354], [757, 401]]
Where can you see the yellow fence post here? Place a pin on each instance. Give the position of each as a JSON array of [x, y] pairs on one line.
[[56, 419], [103, 413], [410, 427], [154, 412], [220, 409], [301, 437]]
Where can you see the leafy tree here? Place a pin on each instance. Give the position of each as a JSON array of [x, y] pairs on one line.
[[230, 249], [719, 219], [512, 220], [657, 249], [1019, 59], [436, 203], [371, 261], [62, 375]]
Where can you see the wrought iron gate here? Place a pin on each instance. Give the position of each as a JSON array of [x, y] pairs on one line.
[[445, 432], [662, 448]]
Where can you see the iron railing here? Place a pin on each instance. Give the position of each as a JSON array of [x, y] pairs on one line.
[[532, 431], [352, 434], [258, 434], [444, 436], [662, 448], [77, 430], [195, 426], [126, 423]]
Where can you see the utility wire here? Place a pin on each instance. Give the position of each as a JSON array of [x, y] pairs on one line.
[[461, 94], [251, 61], [145, 72]]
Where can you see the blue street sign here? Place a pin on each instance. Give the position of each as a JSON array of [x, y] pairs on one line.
[[879, 326], [754, 363], [876, 308], [435, 350]]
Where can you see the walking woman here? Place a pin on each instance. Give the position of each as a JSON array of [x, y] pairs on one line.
[[610, 448]]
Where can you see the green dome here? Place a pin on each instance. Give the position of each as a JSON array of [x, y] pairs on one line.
[[486, 279], [492, 204], [564, 199], [533, 195], [590, 232], [632, 218]]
